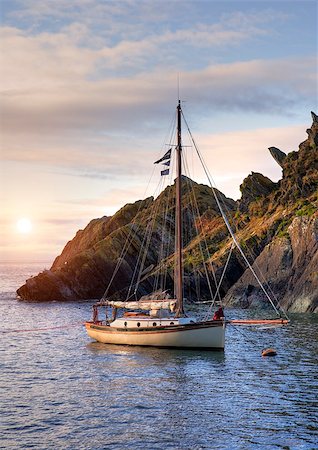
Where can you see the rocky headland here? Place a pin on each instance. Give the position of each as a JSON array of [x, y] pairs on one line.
[[275, 223]]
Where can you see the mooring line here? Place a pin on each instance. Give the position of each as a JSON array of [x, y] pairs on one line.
[[28, 330]]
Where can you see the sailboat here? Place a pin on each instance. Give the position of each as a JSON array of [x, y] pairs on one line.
[[156, 319]]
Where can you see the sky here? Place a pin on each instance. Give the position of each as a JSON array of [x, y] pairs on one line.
[[89, 89]]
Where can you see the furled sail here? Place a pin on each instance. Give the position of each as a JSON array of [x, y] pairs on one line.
[[145, 305]]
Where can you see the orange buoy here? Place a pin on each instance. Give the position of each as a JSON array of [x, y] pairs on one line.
[[269, 352]]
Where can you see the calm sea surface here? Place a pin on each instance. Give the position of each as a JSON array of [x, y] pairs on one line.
[[60, 390]]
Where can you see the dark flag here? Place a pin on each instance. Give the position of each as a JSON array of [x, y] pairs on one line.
[[167, 163], [166, 156], [165, 172]]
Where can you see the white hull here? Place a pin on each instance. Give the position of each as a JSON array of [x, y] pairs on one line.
[[203, 335]]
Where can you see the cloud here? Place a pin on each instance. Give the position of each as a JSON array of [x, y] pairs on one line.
[[59, 114], [89, 72], [54, 114], [50, 83], [121, 35], [101, 112], [60, 222], [120, 18]]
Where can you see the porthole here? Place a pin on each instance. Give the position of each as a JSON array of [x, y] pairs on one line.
[[138, 324], [125, 324], [171, 323], [154, 324]]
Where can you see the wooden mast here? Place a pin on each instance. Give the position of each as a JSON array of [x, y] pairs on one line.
[[178, 281]]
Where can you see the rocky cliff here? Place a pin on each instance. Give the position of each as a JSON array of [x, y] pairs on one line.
[[276, 224], [86, 265], [288, 260], [288, 267]]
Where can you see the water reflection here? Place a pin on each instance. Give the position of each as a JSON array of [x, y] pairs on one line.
[[157, 354], [60, 390]]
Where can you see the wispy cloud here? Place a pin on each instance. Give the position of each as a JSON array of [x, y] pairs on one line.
[[62, 80], [274, 86], [119, 19]]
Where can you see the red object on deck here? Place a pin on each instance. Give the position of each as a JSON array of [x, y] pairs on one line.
[[219, 314]]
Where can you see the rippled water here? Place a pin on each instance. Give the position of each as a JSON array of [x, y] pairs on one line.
[[59, 390]]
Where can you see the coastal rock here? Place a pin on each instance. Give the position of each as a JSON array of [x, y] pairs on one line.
[[278, 155], [253, 188], [83, 240], [289, 267], [46, 284], [85, 266], [99, 229], [300, 170]]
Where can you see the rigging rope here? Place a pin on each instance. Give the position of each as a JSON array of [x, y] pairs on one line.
[[57, 327], [150, 231], [124, 251], [220, 282], [200, 243], [227, 222], [205, 242], [130, 236], [165, 246], [142, 257], [162, 260]]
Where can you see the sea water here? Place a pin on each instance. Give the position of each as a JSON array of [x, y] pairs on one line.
[[60, 390]]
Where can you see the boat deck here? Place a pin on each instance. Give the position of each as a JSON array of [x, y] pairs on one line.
[[150, 322]]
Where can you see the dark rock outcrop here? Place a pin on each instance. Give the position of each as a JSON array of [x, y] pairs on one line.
[[278, 155], [289, 266], [300, 171], [253, 188]]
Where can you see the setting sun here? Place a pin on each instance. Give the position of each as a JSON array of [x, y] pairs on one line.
[[24, 225]]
